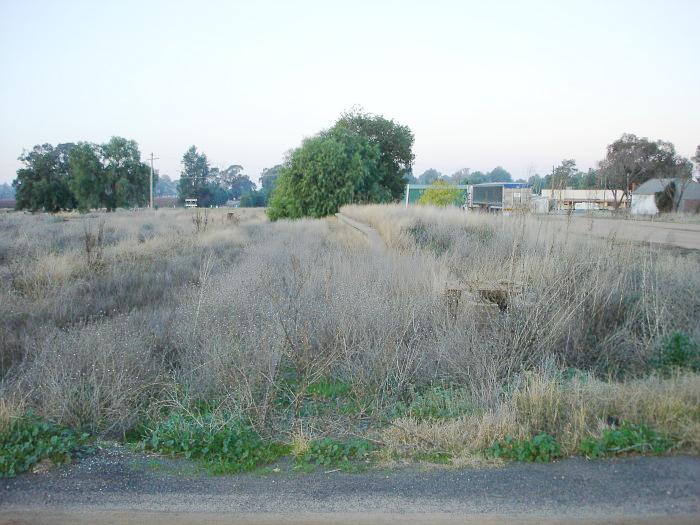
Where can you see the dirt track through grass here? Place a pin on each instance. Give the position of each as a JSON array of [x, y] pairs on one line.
[[375, 241]]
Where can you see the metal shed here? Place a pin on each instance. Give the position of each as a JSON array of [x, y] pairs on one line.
[[500, 196]]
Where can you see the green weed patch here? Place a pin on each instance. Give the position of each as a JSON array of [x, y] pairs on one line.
[[29, 440], [626, 439], [332, 453], [230, 448], [541, 449], [436, 403], [678, 351]]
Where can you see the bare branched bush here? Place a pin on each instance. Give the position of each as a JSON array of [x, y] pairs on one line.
[[93, 244]]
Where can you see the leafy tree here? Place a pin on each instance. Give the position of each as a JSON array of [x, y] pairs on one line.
[[42, 183], [233, 181], [166, 187], [124, 180], [87, 177], [665, 199], [631, 161], [696, 158], [268, 178], [536, 183], [429, 176], [254, 199], [194, 177], [394, 142], [498, 174], [441, 193], [476, 177], [109, 176], [409, 178], [459, 176], [331, 169], [563, 175]]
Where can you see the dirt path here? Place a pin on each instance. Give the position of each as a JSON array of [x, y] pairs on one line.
[[375, 241], [117, 486]]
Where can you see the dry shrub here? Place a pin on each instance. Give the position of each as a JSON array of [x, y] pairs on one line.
[[97, 378], [248, 313]]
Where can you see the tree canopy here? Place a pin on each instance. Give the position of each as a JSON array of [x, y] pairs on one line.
[[83, 176], [166, 187], [440, 193], [394, 142], [631, 161], [362, 158], [210, 186], [43, 183], [429, 176]]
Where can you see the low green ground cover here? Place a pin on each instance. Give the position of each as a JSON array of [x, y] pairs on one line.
[[28, 440]]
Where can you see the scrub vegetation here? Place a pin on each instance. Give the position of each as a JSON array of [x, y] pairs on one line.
[[235, 340]]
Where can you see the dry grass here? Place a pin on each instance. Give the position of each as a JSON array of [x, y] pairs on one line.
[[249, 313], [569, 410]]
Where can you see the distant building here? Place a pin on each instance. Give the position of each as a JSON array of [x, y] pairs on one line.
[[567, 199], [500, 196], [7, 203], [686, 197]]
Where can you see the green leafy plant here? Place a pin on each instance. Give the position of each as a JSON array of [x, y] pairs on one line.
[[628, 438], [542, 448], [678, 351], [29, 440], [223, 448], [328, 388], [436, 403], [329, 452]]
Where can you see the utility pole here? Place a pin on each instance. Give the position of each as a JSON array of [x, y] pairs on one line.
[[151, 184]]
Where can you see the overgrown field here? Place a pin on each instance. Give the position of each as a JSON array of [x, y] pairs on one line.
[[235, 340]]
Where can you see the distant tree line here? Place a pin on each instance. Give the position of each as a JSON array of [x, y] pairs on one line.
[[212, 186], [7, 191], [82, 176], [463, 176]]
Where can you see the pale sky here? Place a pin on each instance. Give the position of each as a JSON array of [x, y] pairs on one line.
[[480, 83]]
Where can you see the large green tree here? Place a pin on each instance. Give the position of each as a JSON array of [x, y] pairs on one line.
[[631, 161], [43, 181], [394, 142], [333, 168], [194, 177], [87, 181], [109, 175], [235, 182]]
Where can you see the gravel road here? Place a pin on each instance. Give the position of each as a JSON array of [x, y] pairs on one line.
[[118, 486]]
